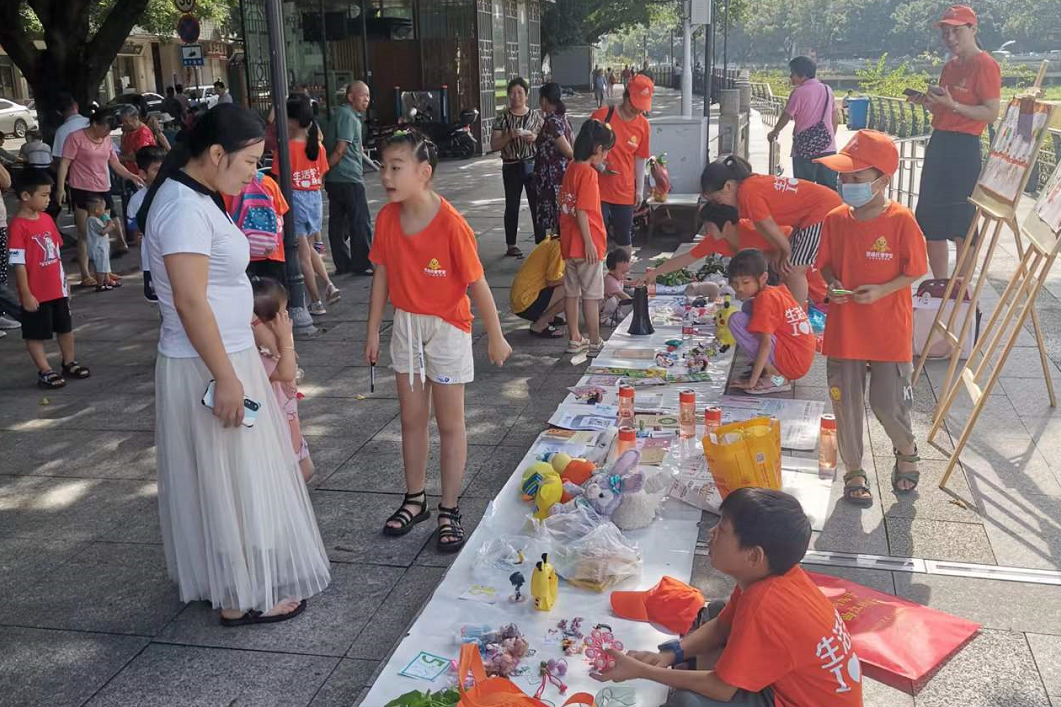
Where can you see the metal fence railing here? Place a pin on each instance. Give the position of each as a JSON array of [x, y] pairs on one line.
[[666, 75], [912, 125]]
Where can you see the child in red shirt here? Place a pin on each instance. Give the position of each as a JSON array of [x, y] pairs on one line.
[[34, 241], [782, 642], [872, 251], [776, 333], [583, 240], [426, 265]]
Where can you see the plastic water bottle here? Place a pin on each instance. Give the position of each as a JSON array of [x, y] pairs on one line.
[[712, 419], [626, 405], [687, 414], [827, 447], [688, 329]]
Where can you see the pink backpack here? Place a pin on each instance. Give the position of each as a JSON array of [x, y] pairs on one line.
[[254, 213]]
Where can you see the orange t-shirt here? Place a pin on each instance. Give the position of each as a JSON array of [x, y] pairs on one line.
[[631, 141], [281, 207], [970, 83], [579, 192], [306, 174], [785, 634], [748, 236], [775, 312], [790, 202], [872, 253], [429, 272]]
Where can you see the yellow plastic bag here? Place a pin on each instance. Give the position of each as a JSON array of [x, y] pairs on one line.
[[745, 453]]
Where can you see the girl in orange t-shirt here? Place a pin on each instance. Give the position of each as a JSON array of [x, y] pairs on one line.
[[770, 203], [309, 164], [426, 265]]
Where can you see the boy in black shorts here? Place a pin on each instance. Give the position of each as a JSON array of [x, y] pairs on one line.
[[34, 242]]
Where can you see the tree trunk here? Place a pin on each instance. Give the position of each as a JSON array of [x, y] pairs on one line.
[[73, 59]]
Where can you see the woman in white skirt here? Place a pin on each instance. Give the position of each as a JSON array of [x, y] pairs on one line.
[[237, 524]]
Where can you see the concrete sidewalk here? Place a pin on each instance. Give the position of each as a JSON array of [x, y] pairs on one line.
[[89, 616]]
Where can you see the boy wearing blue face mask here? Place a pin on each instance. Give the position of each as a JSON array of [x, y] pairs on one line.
[[871, 252]]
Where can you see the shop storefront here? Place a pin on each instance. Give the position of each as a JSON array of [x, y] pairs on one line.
[[473, 47]]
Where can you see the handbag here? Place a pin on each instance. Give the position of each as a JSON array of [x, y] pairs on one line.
[[815, 140], [497, 691]]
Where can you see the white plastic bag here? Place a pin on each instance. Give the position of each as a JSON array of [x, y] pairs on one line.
[[599, 560]]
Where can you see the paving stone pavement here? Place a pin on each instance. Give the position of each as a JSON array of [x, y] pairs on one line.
[[89, 616]]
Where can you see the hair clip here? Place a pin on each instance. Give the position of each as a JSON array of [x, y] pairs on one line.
[[401, 133]]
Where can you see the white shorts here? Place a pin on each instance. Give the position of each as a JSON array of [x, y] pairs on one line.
[[425, 344]]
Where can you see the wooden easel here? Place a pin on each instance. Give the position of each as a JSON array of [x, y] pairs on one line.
[[993, 211], [1018, 300]]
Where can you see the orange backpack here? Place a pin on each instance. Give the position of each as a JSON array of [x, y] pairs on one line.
[[497, 691]]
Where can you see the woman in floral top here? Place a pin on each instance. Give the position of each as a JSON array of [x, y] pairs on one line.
[[554, 151]]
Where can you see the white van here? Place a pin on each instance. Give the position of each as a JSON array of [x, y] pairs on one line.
[[201, 95]]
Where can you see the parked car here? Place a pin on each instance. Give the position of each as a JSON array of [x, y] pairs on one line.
[[31, 105], [15, 119], [146, 102], [201, 95]]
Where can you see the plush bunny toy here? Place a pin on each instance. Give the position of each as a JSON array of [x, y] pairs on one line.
[[604, 492]]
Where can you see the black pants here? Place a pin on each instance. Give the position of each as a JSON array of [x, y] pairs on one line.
[[349, 226], [517, 177]]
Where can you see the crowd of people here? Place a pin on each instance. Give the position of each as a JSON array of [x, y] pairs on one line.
[[238, 527]]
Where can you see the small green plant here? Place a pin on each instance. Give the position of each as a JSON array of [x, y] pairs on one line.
[[443, 698], [878, 79]]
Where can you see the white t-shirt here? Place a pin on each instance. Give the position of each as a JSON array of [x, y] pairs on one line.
[[182, 220], [227, 98], [74, 122]]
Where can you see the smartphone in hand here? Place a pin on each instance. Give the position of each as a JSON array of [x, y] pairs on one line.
[[913, 94], [250, 407]]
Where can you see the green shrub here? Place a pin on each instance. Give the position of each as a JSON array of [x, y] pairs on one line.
[[880, 80]]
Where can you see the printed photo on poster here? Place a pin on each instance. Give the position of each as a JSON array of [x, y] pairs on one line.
[[1014, 149]]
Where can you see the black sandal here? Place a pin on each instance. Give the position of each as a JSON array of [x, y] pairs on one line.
[[256, 617], [50, 379], [912, 476], [453, 529], [75, 370], [514, 252], [407, 519], [853, 487], [549, 332]]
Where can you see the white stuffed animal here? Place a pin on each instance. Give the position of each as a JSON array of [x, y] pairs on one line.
[[638, 509]]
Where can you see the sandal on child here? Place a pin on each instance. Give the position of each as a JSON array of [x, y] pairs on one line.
[[406, 519], [50, 379], [75, 370], [451, 534], [897, 476], [576, 347], [854, 484]]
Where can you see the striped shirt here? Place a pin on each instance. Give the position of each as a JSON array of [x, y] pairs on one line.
[[518, 150]]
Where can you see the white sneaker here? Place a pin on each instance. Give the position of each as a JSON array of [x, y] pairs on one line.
[[8, 323], [317, 308], [333, 294]]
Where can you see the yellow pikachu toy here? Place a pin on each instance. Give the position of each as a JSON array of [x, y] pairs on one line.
[[723, 335], [544, 584]]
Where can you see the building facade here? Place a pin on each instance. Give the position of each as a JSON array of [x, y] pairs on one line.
[[472, 47]]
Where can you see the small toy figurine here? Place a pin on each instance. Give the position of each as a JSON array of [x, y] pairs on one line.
[[722, 333], [544, 584], [517, 579]]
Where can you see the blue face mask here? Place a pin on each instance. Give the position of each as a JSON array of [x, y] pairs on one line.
[[856, 194]]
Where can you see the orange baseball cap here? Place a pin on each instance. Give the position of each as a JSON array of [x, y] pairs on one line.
[[671, 604], [867, 148], [958, 15], [641, 89]]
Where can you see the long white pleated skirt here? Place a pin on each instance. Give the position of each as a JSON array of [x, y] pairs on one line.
[[237, 524]]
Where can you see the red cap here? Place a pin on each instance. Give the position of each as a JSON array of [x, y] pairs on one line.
[[958, 15], [867, 148], [626, 391], [828, 422], [641, 89], [671, 604], [687, 396], [627, 433]]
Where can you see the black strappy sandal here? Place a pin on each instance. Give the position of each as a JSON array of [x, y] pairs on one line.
[[407, 519], [75, 370], [50, 380], [911, 476], [453, 529], [856, 490]]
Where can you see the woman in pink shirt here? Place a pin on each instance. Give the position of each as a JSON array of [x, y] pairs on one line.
[[87, 155], [812, 109]]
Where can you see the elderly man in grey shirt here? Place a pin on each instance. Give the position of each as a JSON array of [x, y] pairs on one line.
[[349, 221]]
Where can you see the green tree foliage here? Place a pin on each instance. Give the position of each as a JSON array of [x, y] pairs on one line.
[[879, 79], [568, 23]]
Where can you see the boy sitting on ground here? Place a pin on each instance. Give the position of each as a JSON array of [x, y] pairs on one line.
[[778, 641], [775, 333], [618, 265]]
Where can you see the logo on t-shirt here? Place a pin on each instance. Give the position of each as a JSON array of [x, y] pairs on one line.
[[632, 142], [48, 248], [880, 250], [786, 185], [434, 269], [567, 203], [796, 318]]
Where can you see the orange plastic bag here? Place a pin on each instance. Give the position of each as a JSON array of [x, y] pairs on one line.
[[745, 453], [497, 691]]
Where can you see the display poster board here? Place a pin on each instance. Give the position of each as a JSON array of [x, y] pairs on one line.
[[1016, 146]]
